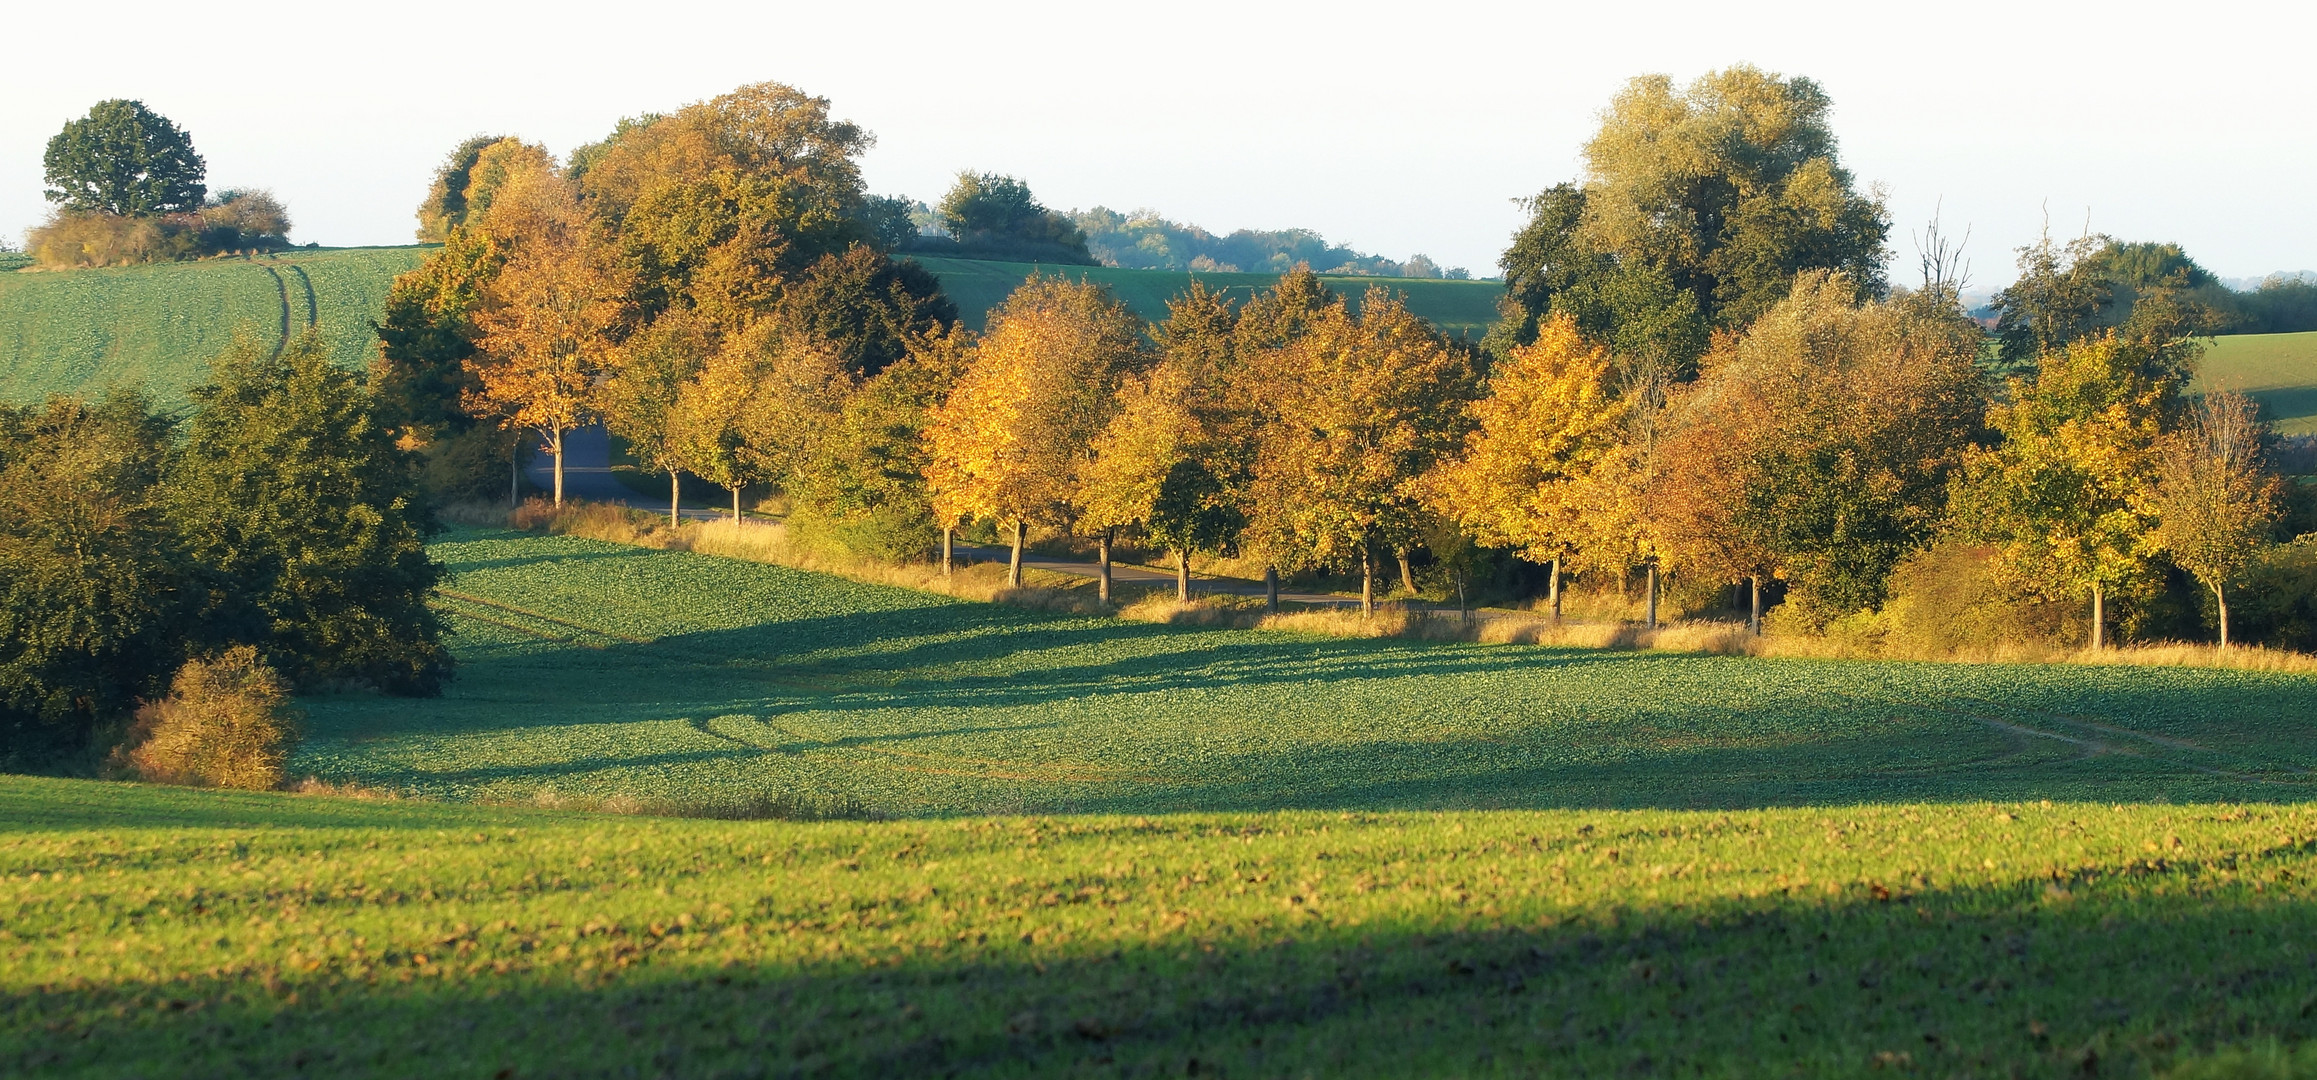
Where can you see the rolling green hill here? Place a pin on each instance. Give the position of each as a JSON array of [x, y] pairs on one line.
[[84, 330], [1126, 849], [1457, 307], [2278, 370]]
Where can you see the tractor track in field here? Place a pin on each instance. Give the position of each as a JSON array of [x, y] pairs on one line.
[[2094, 738], [281, 287]]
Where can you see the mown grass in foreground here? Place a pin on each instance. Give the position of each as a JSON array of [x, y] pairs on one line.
[[154, 932]]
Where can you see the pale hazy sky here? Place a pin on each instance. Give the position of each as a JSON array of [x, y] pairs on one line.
[[1395, 128]]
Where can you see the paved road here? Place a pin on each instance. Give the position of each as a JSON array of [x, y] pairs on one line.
[[587, 474]]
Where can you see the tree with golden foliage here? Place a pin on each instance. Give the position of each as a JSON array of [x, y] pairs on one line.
[[545, 317], [1545, 438], [1365, 407], [2215, 500], [640, 395], [1011, 440], [1169, 463], [2068, 497]]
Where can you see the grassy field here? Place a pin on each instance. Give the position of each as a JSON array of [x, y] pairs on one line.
[[591, 669], [81, 331], [1458, 307], [2278, 370], [84, 330], [152, 932], [1121, 849]]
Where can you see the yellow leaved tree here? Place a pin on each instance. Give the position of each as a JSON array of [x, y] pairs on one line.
[[1011, 441], [1543, 471], [545, 317]]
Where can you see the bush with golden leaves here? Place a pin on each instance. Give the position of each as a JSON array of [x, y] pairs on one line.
[[227, 722]]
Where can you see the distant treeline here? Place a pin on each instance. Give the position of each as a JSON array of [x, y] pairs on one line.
[[988, 216]]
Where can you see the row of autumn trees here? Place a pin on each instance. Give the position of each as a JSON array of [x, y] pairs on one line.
[[1701, 372]]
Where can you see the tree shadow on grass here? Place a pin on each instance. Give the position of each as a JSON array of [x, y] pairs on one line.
[[1989, 980]]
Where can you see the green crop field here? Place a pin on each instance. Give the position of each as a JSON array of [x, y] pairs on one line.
[[590, 668], [1459, 308], [1123, 849], [159, 326], [2278, 370], [148, 932]]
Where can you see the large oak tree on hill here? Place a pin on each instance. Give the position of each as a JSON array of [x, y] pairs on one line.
[[123, 159]]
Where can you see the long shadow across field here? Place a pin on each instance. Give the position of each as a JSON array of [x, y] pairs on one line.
[[1978, 981], [1005, 708]]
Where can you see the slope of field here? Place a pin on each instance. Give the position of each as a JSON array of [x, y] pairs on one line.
[[592, 670], [2278, 370], [1458, 307], [84, 330], [153, 933]]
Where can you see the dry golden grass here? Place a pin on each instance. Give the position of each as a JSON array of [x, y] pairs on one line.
[[1591, 623]]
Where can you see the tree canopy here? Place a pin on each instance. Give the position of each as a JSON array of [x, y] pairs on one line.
[[1698, 207], [123, 159]]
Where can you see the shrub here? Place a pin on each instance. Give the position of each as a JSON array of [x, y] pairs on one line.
[[468, 466], [2278, 599], [1949, 602], [234, 221], [227, 722]]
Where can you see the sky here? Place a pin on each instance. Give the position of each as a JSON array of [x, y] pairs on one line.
[[1394, 128]]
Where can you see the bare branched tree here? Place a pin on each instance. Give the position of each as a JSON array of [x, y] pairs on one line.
[[2216, 499], [1945, 271]]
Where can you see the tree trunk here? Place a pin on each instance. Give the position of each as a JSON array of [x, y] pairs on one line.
[[1367, 582], [1407, 573], [946, 561], [736, 503], [1271, 589], [675, 497], [1754, 609], [1103, 588], [1182, 575], [1463, 610], [558, 446], [2099, 618], [2221, 600], [1014, 570], [1653, 594], [515, 473], [1553, 588]]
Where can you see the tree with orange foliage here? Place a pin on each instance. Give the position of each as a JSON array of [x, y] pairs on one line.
[[1365, 406], [1011, 440], [1817, 446], [544, 318], [1546, 441]]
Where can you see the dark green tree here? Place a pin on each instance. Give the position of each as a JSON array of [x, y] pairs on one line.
[[93, 608], [866, 307], [998, 215], [292, 492], [123, 159]]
